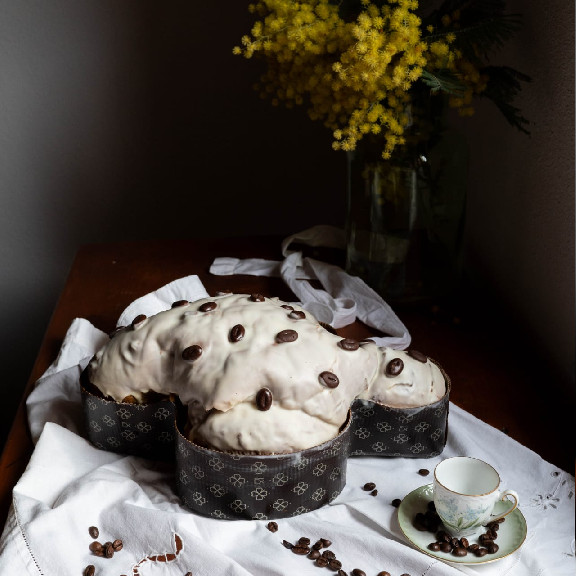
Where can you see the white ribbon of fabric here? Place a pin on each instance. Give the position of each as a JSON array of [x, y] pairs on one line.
[[343, 297]]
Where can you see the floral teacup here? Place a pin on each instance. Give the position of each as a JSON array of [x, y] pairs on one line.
[[465, 493]]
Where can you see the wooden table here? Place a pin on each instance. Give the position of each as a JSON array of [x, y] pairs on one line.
[[499, 381]]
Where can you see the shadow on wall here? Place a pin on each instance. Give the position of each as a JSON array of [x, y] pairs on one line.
[[134, 120]]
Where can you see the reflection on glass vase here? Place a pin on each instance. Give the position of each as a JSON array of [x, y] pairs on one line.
[[405, 218]]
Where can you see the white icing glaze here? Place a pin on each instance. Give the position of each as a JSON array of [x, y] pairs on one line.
[[220, 387]]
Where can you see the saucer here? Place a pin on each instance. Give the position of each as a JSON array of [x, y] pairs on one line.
[[511, 535]]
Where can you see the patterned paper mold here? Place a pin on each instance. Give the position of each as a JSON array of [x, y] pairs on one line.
[[259, 487], [145, 430], [379, 430]]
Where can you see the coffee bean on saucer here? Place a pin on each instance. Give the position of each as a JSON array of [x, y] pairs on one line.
[[369, 486], [460, 552], [434, 546], [272, 526], [442, 536], [473, 547], [208, 307], [445, 547], [90, 570], [464, 542], [179, 303], [492, 548], [94, 532], [480, 552]]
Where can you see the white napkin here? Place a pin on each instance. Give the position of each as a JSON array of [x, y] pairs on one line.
[[343, 297], [69, 486]]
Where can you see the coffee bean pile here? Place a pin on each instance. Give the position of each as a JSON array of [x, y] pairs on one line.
[[460, 547], [320, 553]]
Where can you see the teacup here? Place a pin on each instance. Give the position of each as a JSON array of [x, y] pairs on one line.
[[465, 493]]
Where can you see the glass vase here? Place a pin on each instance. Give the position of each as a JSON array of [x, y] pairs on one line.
[[405, 218]]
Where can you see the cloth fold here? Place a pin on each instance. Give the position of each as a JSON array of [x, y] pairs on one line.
[[69, 485], [342, 298]]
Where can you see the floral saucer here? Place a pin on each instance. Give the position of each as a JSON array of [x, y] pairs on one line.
[[511, 535]]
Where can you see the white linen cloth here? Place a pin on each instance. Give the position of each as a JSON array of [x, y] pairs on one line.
[[69, 486], [342, 299]]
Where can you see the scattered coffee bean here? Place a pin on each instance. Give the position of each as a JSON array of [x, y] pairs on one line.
[[369, 486], [108, 550], [297, 315], [96, 548], [117, 545], [383, 573], [326, 543], [304, 541], [272, 526], [374, 493], [342, 573], [349, 344], [328, 554], [396, 502], [256, 298], [90, 570], [423, 472], [334, 564], [358, 572], [237, 333], [394, 367], [188, 574], [192, 353], [264, 399], [318, 545], [94, 532], [300, 549], [321, 561], [207, 307], [314, 554], [328, 379], [286, 336], [287, 544], [418, 356]]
